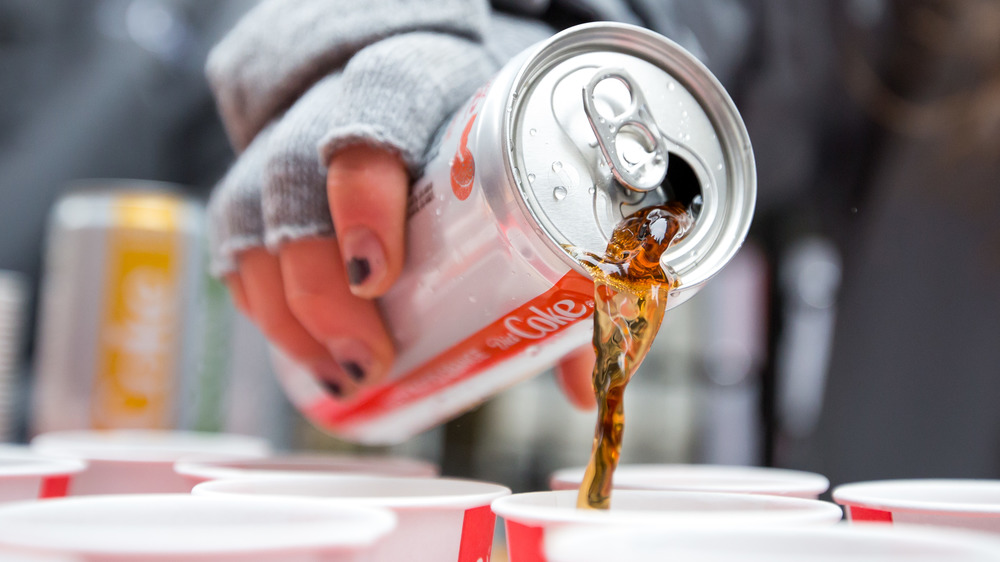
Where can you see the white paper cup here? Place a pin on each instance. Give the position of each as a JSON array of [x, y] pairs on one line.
[[31, 555], [814, 544], [198, 471], [28, 476], [140, 461], [439, 519], [704, 478], [969, 504], [529, 517], [160, 527]]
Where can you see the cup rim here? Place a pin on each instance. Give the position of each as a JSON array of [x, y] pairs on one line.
[[307, 525], [458, 493], [146, 445], [524, 508], [885, 495], [20, 554], [706, 477], [33, 464], [566, 539], [317, 463]]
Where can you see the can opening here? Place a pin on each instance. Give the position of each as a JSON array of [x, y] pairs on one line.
[[681, 184]]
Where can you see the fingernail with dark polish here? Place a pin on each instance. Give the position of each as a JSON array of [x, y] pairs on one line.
[[354, 357], [332, 387], [365, 257], [358, 270], [354, 370]]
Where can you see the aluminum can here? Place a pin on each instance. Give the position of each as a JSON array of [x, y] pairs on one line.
[[568, 138], [13, 301], [118, 332]]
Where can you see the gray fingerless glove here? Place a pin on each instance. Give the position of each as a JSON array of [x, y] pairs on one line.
[[393, 93], [234, 209], [281, 47]]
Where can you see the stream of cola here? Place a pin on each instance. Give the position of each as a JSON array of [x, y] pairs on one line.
[[630, 298]]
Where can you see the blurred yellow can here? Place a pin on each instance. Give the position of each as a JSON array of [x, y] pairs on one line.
[[117, 331]]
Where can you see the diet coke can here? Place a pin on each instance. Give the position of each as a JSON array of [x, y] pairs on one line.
[[569, 138], [119, 329]]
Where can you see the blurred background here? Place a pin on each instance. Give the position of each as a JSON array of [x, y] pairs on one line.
[[857, 334]]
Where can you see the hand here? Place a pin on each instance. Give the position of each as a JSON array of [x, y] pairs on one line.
[[313, 298], [317, 309], [273, 215]]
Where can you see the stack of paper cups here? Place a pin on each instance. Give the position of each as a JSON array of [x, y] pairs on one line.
[[28, 476], [649, 543], [705, 478], [172, 527], [439, 519], [530, 517], [12, 297], [141, 461], [292, 464], [966, 503]]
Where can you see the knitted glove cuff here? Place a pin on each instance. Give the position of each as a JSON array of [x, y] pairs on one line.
[[236, 222], [397, 92], [280, 48]]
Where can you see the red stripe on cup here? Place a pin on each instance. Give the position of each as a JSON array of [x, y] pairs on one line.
[[54, 486], [869, 515], [477, 535], [524, 543]]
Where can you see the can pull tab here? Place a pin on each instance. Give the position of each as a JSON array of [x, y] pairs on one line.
[[630, 141]]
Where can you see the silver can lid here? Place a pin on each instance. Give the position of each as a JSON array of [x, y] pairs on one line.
[[606, 119]]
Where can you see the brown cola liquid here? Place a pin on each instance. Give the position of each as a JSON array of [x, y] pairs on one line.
[[630, 297]]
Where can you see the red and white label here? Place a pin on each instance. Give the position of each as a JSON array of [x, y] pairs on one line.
[[524, 542], [463, 165], [868, 515], [477, 535], [568, 302], [54, 486]]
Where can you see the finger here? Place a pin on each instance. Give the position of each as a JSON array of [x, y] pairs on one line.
[[574, 373], [238, 293], [367, 188], [350, 327], [260, 273]]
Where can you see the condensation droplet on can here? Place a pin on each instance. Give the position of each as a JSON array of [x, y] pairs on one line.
[[437, 212], [559, 193], [472, 299], [592, 190], [718, 166], [532, 350], [532, 132], [671, 86], [556, 166], [531, 178], [684, 113]]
